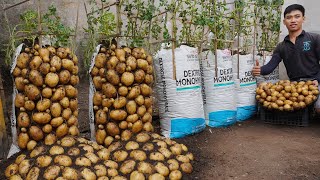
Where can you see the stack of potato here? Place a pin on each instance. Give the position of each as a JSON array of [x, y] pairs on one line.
[[287, 96], [46, 103], [143, 156], [122, 103]]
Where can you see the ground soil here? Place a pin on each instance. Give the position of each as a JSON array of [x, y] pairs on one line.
[[248, 150]]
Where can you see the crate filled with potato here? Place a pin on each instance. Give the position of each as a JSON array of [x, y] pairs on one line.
[[45, 100], [286, 102], [122, 95]]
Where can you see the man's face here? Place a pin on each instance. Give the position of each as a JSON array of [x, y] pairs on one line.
[[293, 20]]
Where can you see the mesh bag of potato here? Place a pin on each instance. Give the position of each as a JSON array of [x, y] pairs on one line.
[[120, 92], [287, 96], [45, 105], [142, 156]]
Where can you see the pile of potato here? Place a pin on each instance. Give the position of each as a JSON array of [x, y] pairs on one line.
[[46, 103], [122, 103], [287, 96], [143, 156]]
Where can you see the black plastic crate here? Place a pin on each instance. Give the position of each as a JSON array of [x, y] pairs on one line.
[[294, 118]]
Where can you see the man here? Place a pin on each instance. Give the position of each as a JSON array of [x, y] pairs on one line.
[[300, 51]]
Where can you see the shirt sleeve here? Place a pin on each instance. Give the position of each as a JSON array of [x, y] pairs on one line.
[[273, 63], [317, 46]]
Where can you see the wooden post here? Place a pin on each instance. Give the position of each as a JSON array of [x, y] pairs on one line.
[[118, 9], [39, 23], [174, 26], [3, 130]]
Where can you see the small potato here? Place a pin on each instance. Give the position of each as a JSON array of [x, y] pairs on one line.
[[19, 100], [44, 68], [100, 170], [166, 152], [109, 90], [50, 139], [120, 155], [100, 60], [142, 64], [59, 94], [123, 125], [74, 152], [123, 91], [186, 167], [134, 92], [103, 154], [184, 147], [114, 146], [148, 79], [74, 80], [139, 100], [63, 160], [141, 111], [83, 161], [101, 134], [101, 117], [33, 173], [67, 64], [126, 135], [119, 102], [97, 98], [145, 168], [73, 104], [148, 147], [41, 117], [51, 172], [24, 167], [32, 92], [64, 102], [19, 83], [11, 170], [56, 150], [127, 78], [136, 175], [92, 157], [120, 54], [175, 175], [139, 76], [149, 69], [55, 122], [23, 119], [44, 161], [132, 118], [190, 156], [137, 126], [70, 173], [121, 68], [22, 60], [62, 130], [46, 92], [16, 177], [16, 72], [148, 102], [23, 139], [112, 62], [145, 90], [35, 78], [97, 82], [31, 145], [71, 91], [131, 107], [29, 105], [112, 173], [156, 156], [176, 149], [156, 176], [36, 133], [162, 169], [64, 77], [138, 155], [173, 164], [51, 79], [20, 158], [127, 166], [113, 77], [146, 118], [108, 140], [87, 148], [68, 141], [148, 127], [183, 158], [112, 129], [142, 137], [111, 164], [56, 62], [118, 115], [132, 145]]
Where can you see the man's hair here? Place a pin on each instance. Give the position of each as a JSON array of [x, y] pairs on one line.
[[294, 7]]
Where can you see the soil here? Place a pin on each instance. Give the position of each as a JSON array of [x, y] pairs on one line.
[[248, 150]]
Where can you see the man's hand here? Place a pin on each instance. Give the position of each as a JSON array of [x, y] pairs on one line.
[[256, 70], [315, 82]]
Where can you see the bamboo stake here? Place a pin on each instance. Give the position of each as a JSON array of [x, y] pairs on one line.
[[254, 36], [118, 21], [215, 42], [174, 40], [39, 24], [238, 44], [149, 30]]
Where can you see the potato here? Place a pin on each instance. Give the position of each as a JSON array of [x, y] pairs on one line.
[[121, 68], [175, 175], [11, 170], [173, 164], [16, 72], [119, 155], [119, 102], [36, 133], [134, 92], [156, 176], [75, 70], [167, 153], [156, 156], [55, 109], [111, 164], [186, 167], [19, 100], [127, 78], [68, 141], [162, 169], [112, 173], [101, 134], [109, 90], [24, 167], [51, 172], [97, 82], [132, 118], [139, 76], [148, 79], [44, 68], [146, 118], [123, 125], [148, 147], [20, 85], [56, 150], [51, 79], [73, 104], [83, 161], [148, 127], [59, 94], [137, 126], [101, 117], [74, 80], [176, 149], [88, 174], [120, 54], [148, 102], [32, 92], [92, 157], [63, 160], [69, 173], [100, 170], [112, 62], [23, 119], [145, 168], [126, 135], [132, 145], [24, 73], [73, 131], [131, 107], [50, 139], [72, 121], [35, 78], [149, 69], [103, 154], [118, 115], [135, 175], [16, 177], [22, 60], [44, 161], [66, 113], [108, 140], [127, 167], [138, 155], [64, 77], [43, 105], [139, 100], [64, 102], [67, 64], [41, 117], [33, 173], [31, 145], [62, 130], [145, 90], [71, 91], [123, 91], [142, 64], [29, 105], [100, 60], [74, 152], [46, 92], [20, 158], [97, 98]]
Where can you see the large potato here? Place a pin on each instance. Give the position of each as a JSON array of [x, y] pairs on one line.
[[132, 63], [134, 92], [41, 117], [67, 64], [59, 94], [186, 167], [145, 168], [119, 102], [109, 90], [113, 77], [51, 172], [63, 160], [131, 107], [162, 169], [127, 166], [71, 91], [43, 104], [112, 129], [100, 60], [22, 60], [64, 77], [36, 133], [70, 173], [118, 115], [62, 130], [120, 155], [32, 92], [56, 150], [145, 90], [11, 170], [138, 155], [44, 68], [36, 78], [19, 83], [101, 117], [139, 76], [127, 78], [52, 79], [44, 161], [120, 54], [23, 140], [121, 68], [131, 145], [23, 119], [112, 62], [55, 109], [83, 161], [87, 174], [19, 100]]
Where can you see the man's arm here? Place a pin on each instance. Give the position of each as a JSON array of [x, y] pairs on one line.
[[271, 65]]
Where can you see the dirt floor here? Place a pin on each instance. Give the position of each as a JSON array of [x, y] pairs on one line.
[[254, 150]]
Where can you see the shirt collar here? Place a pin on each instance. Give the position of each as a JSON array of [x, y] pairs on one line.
[[302, 34]]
